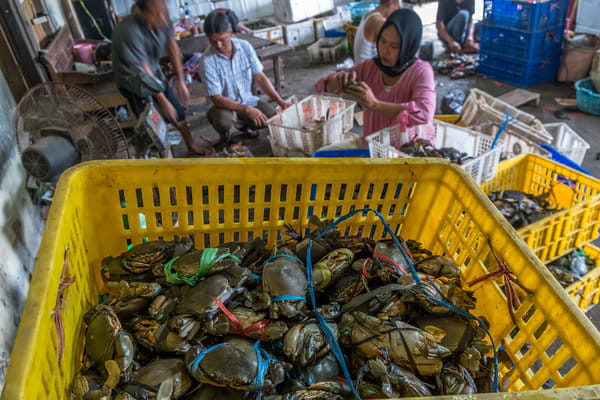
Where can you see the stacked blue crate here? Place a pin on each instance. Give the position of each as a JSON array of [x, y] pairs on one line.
[[521, 41]]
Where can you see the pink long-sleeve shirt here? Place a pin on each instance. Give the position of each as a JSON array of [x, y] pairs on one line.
[[415, 92]]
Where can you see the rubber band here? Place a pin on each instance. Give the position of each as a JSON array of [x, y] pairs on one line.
[[203, 353], [364, 269]]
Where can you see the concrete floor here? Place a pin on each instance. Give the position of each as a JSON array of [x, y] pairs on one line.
[[300, 77]]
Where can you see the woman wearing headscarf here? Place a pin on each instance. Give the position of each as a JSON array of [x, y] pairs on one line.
[[394, 86]]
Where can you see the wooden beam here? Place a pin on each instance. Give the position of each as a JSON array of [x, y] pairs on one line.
[[22, 41], [9, 65], [67, 7]]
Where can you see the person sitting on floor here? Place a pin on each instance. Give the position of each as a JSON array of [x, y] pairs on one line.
[[230, 66], [454, 23], [138, 42], [365, 47], [394, 86]]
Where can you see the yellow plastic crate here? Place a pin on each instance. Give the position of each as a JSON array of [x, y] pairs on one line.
[[351, 30], [586, 293], [101, 207], [561, 232]]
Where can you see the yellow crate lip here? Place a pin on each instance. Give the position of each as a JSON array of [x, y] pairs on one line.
[[43, 280], [582, 392]]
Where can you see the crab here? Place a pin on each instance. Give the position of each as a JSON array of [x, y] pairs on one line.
[[143, 257]]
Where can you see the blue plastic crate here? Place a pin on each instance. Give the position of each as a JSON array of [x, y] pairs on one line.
[[516, 71], [360, 8], [588, 100], [526, 15], [522, 44], [343, 153]]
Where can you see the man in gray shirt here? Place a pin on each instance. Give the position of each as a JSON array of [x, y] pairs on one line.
[[139, 40]]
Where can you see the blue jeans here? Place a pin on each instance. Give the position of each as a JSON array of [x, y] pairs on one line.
[[457, 27]]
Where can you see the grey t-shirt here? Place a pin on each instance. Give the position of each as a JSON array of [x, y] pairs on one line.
[[135, 43]]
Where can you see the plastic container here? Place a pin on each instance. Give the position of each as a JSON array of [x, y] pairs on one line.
[[273, 31], [360, 8], [290, 11], [588, 100], [567, 141], [483, 108], [531, 15], [351, 30], [576, 193], [385, 144], [327, 50], [326, 23], [299, 33], [289, 130], [586, 293], [546, 44], [518, 72], [96, 212], [84, 52]]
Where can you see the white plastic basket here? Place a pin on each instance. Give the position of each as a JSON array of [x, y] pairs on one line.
[[288, 129], [512, 144], [482, 108], [326, 50], [567, 141], [385, 144]]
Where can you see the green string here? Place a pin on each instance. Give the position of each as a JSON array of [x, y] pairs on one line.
[[207, 260]]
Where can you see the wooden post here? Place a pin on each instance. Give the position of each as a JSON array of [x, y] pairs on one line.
[[67, 6]]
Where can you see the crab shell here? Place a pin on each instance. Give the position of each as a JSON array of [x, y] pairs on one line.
[[304, 344], [234, 365], [159, 371]]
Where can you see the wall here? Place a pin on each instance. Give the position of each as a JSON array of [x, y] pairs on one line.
[[245, 9], [20, 231]]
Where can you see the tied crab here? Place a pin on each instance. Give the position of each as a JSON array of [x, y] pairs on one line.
[[246, 322], [143, 257], [304, 343], [254, 368], [395, 381], [106, 340], [329, 269], [406, 345], [166, 372], [429, 292], [284, 280]]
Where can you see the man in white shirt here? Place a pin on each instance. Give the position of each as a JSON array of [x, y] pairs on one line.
[[365, 41]]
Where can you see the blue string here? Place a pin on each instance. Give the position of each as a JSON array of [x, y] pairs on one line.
[[203, 353], [263, 359], [283, 255], [255, 276], [332, 341], [286, 298], [503, 126]]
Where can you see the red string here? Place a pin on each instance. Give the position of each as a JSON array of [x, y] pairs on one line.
[[260, 325], [364, 269], [63, 284], [390, 261]]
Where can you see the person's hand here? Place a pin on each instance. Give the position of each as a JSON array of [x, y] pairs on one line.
[[470, 46], [363, 95], [337, 83], [256, 116], [184, 93], [284, 104], [454, 46]]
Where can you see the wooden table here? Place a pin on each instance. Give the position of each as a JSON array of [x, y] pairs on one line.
[[266, 50]]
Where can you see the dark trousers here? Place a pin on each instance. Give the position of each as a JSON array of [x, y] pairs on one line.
[[224, 120], [138, 104]]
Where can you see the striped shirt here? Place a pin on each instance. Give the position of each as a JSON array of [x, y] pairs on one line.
[[232, 78]]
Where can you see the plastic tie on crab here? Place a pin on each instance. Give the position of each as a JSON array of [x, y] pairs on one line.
[[255, 276], [331, 339], [287, 298], [283, 255], [203, 354], [207, 260], [263, 360]]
